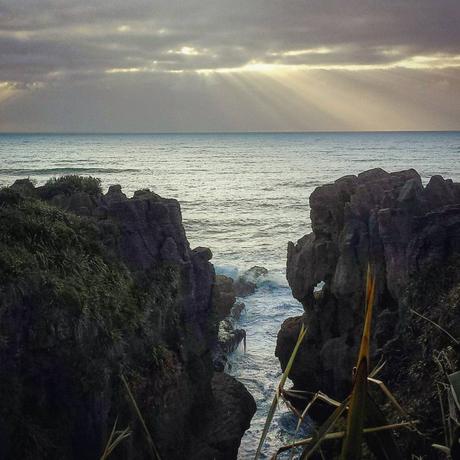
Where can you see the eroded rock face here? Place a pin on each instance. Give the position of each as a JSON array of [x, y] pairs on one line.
[[113, 287], [223, 296], [410, 234], [226, 310]]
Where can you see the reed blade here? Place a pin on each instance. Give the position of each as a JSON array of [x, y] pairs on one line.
[[153, 449], [324, 430], [352, 443], [274, 404]]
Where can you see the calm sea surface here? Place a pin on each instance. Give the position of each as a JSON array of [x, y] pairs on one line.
[[243, 195]]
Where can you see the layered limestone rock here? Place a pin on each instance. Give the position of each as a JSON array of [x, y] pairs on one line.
[[94, 287], [410, 234], [227, 310]]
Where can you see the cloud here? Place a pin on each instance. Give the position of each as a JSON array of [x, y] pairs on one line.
[[39, 40], [58, 53]]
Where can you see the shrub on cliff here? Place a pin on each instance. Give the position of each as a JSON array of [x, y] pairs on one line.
[[70, 184]]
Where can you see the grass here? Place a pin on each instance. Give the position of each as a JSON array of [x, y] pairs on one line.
[[70, 184], [74, 317], [351, 447], [152, 448], [116, 437]]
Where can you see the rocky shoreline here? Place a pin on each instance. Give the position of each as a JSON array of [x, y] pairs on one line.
[[410, 234], [98, 286]]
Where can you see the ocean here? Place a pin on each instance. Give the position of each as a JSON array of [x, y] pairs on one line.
[[244, 196]]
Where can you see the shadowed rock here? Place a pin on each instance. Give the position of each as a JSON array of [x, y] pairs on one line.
[[223, 296], [222, 433], [410, 234], [102, 286], [246, 284], [237, 309]]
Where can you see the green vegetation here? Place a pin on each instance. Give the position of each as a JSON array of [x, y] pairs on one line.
[[70, 184], [72, 319], [59, 255], [152, 448]]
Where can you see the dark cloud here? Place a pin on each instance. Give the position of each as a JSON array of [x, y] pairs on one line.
[[40, 40]]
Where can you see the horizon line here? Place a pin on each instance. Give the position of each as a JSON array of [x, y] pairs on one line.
[[148, 133]]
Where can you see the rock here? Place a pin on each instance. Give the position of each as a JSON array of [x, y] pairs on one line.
[[411, 236], [234, 408], [228, 340], [204, 253], [229, 337], [146, 194], [246, 284], [106, 286], [254, 273], [24, 187], [237, 309], [223, 296], [226, 311], [114, 194], [244, 288]]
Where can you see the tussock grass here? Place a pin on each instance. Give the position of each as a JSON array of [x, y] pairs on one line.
[[70, 184]]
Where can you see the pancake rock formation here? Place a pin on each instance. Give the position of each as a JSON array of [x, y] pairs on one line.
[[410, 234]]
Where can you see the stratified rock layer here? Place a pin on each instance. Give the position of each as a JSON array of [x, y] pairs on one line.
[[410, 234], [93, 287]]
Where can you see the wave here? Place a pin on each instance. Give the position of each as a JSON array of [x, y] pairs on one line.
[[63, 171], [227, 270], [305, 184], [272, 280]]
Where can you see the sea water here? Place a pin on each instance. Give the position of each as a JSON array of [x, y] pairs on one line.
[[243, 195]]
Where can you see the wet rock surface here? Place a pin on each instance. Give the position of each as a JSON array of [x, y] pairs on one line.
[[237, 309], [411, 236], [224, 296], [246, 284], [227, 310], [94, 286], [229, 337]]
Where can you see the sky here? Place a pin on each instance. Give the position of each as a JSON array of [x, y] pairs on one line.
[[229, 65]]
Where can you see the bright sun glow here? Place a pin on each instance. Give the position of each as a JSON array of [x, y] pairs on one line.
[[187, 51]]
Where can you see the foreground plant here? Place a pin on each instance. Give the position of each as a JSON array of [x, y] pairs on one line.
[[115, 438], [152, 448], [280, 392], [363, 416]]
